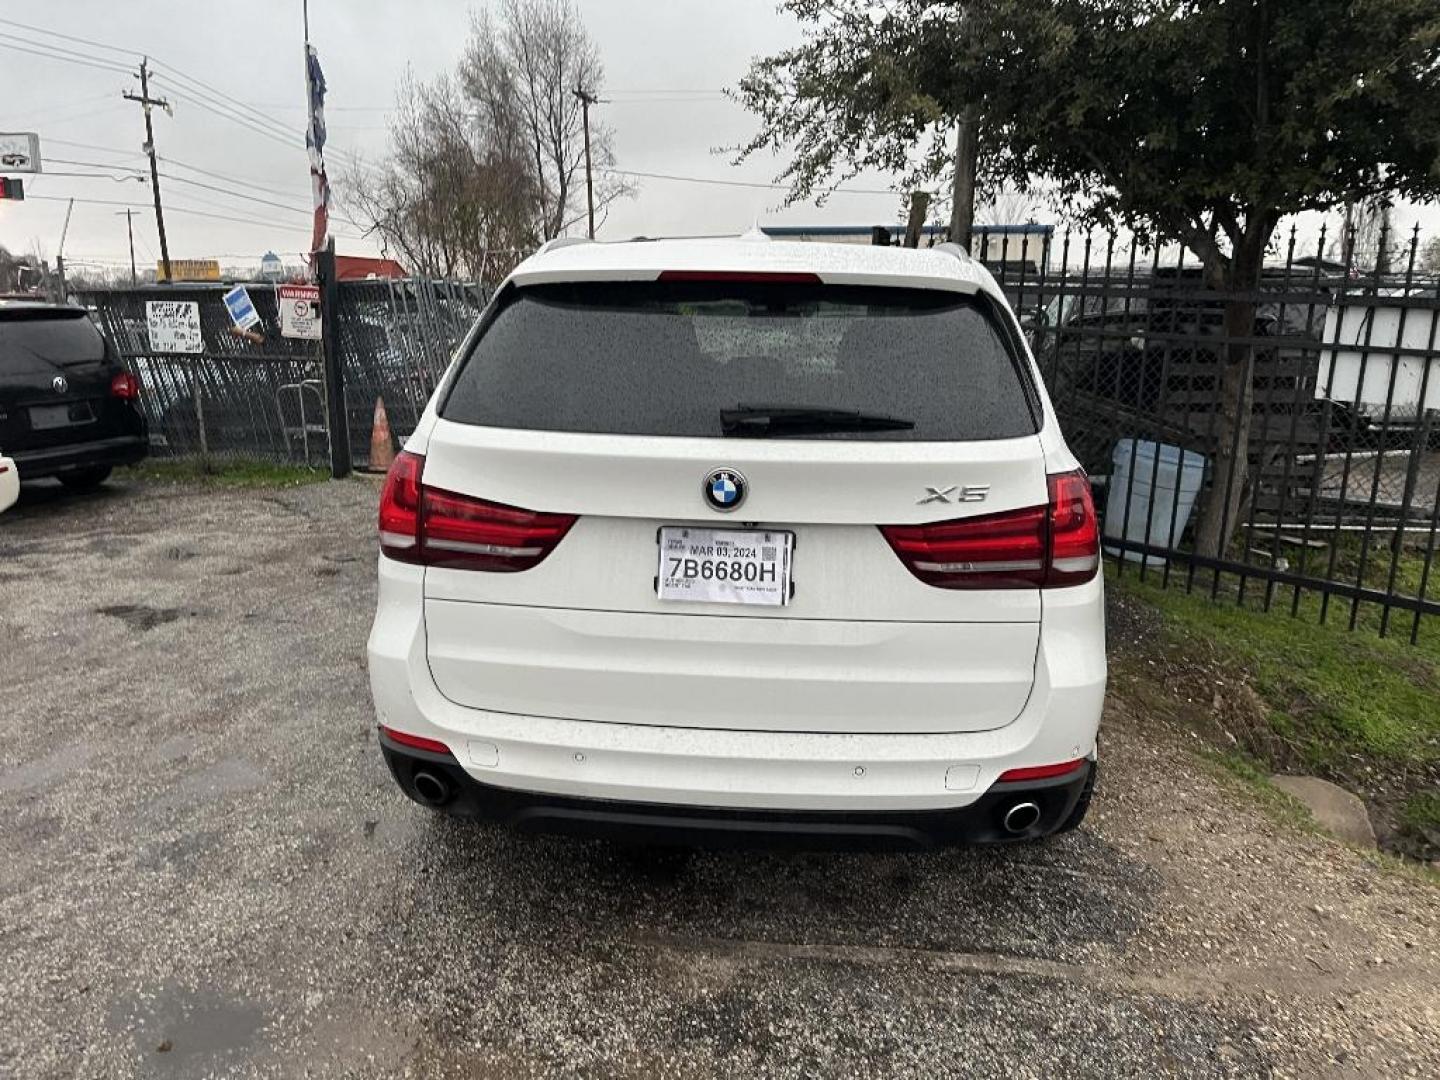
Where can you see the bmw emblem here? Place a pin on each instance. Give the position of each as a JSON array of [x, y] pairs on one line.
[[725, 490], [59, 384]]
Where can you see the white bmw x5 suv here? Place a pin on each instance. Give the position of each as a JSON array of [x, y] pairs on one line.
[[738, 541]]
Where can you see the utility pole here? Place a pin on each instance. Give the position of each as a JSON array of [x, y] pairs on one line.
[[60, 254], [130, 230], [146, 101], [586, 100]]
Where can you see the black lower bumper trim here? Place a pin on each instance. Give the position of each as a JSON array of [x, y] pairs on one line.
[[726, 827], [98, 453]]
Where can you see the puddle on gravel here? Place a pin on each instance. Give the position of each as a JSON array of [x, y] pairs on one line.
[[184, 1033], [225, 777], [143, 617], [44, 772]]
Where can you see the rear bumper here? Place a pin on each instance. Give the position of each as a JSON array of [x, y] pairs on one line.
[[644, 823], [119, 450], [750, 771]]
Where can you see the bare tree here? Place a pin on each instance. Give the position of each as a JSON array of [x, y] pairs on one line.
[[491, 158], [1430, 256], [526, 66], [1010, 206], [455, 187]]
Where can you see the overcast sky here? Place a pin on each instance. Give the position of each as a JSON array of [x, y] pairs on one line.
[[665, 65]]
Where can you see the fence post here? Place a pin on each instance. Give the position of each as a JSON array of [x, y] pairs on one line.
[[334, 363]]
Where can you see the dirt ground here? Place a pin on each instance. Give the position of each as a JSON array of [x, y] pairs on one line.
[[208, 871]]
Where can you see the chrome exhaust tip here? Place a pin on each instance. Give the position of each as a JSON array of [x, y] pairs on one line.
[[1021, 817], [430, 788]]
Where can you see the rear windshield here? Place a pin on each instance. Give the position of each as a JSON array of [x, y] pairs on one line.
[[666, 359], [55, 337]]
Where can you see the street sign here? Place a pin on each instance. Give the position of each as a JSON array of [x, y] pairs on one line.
[[19, 152], [174, 326], [300, 312], [241, 308]]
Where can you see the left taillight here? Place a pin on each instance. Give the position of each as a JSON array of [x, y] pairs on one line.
[[125, 385], [400, 508], [1037, 547], [419, 524]]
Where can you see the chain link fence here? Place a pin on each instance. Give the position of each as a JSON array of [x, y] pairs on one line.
[[261, 396]]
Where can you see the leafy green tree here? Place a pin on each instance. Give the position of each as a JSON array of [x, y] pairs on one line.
[[1200, 120]]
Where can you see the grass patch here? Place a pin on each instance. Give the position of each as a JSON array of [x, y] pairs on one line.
[[1243, 770], [1273, 693], [223, 474], [1422, 812], [1330, 693]]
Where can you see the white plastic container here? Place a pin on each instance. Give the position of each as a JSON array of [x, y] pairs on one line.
[[1160, 496]]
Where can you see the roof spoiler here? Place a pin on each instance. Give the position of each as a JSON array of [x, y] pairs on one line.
[[558, 242], [952, 248]]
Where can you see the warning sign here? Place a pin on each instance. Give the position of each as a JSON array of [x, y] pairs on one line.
[[300, 312]]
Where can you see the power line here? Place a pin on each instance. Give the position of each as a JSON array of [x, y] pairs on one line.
[[191, 90], [70, 37], [268, 188], [238, 194], [93, 176], [64, 56], [194, 183], [741, 183], [94, 146], [70, 161], [172, 208]]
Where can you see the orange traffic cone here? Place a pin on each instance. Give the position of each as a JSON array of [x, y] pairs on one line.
[[382, 450]]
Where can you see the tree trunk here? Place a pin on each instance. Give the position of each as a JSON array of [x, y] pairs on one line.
[[919, 204], [1235, 385], [967, 156]]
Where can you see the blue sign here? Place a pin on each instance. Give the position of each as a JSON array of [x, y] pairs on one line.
[[242, 310]]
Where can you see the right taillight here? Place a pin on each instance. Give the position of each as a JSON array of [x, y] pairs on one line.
[[1037, 547], [1074, 530], [425, 525], [125, 385]]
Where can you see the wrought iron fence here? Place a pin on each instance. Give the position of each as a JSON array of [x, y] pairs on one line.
[[1316, 383]]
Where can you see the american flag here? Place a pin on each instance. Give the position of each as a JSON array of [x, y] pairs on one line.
[[315, 144]]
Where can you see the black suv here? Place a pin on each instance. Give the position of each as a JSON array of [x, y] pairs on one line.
[[68, 407]]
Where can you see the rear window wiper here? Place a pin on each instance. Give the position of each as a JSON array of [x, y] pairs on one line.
[[757, 421]]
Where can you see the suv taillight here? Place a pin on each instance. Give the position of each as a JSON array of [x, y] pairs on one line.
[[442, 528], [1038, 547], [125, 385], [400, 508]]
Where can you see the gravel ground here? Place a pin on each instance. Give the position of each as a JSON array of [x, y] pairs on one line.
[[209, 872]]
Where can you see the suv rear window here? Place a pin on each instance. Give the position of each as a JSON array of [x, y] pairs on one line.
[[666, 358], [57, 337]]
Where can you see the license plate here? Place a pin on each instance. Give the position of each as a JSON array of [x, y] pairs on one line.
[[54, 416], [725, 566]]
